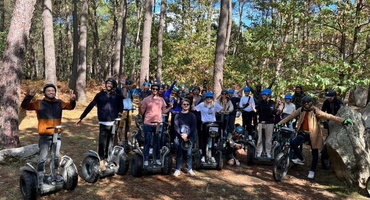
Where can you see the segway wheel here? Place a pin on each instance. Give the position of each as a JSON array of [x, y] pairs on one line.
[[196, 159], [123, 164], [281, 166], [90, 169], [137, 165], [250, 154], [166, 169], [325, 161], [219, 160], [28, 185], [70, 178]]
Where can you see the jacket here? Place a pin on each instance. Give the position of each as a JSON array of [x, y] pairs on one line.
[[109, 105], [313, 116], [49, 111]]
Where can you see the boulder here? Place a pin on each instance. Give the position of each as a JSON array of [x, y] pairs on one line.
[[360, 95], [25, 153], [348, 148], [366, 115]]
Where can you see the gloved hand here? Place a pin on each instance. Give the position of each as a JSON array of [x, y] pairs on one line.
[[278, 125], [348, 121]]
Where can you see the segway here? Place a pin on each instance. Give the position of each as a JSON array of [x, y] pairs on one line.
[[137, 164], [126, 143], [213, 158], [67, 177], [116, 163]]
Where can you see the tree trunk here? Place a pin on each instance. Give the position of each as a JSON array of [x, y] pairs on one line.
[[137, 40], [117, 47], [220, 47], [209, 20], [160, 40], [11, 72], [72, 82], [229, 25], [123, 40], [2, 20], [49, 46], [144, 66], [96, 53], [81, 70]]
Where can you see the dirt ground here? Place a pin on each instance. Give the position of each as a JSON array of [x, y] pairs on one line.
[[242, 182]]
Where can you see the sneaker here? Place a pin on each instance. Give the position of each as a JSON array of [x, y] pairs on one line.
[[298, 161], [177, 173], [268, 155], [213, 160], [237, 163], [311, 174], [191, 172], [203, 160], [146, 163], [258, 155], [158, 162], [102, 166]]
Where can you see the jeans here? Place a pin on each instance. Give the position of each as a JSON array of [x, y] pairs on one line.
[[247, 121], [105, 136], [45, 142], [299, 140], [179, 155], [149, 131]]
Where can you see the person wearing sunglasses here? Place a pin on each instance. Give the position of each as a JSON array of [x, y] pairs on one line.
[[309, 130], [153, 107], [185, 126], [208, 110]]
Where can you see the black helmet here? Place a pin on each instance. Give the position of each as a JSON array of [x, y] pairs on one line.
[[330, 93], [306, 99], [128, 81], [155, 84], [195, 87], [49, 85], [113, 81], [299, 86]]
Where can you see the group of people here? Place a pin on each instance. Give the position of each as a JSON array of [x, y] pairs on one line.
[[190, 111]]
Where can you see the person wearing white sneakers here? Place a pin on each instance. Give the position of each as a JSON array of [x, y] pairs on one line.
[[309, 130], [185, 124], [266, 110], [234, 149]]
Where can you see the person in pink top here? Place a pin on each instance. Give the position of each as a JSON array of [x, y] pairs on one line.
[[152, 108]]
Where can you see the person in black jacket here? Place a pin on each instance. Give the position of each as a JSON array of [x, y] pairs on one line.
[[266, 110], [331, 105], [110, 106]]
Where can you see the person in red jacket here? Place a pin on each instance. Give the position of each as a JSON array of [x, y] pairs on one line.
[[49, 113]]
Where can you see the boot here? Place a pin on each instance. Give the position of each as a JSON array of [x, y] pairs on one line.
[[40, 178]]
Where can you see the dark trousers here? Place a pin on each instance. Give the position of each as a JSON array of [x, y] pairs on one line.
[[105, 135], [247, 120], [45, 141], [299, 140]]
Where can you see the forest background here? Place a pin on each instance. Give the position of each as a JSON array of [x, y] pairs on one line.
[[318, 43]]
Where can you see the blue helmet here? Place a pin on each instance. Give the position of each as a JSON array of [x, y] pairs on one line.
[[247, 89], [239, 129], [224, 91], [209, 94], [146, 84], [266, 91], [230, 91], [288, 96]]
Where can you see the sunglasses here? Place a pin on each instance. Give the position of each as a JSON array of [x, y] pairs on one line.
[[224, 93], [306, 102], [185, 104], [155, 89]]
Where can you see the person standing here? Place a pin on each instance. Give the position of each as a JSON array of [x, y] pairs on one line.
[[49, 113], [153, 107], [288, 108], [110, 106], [309, 130], [266, 111], [248, 110], [207, 110], [185, 126], [227, 108], [235, 101]]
